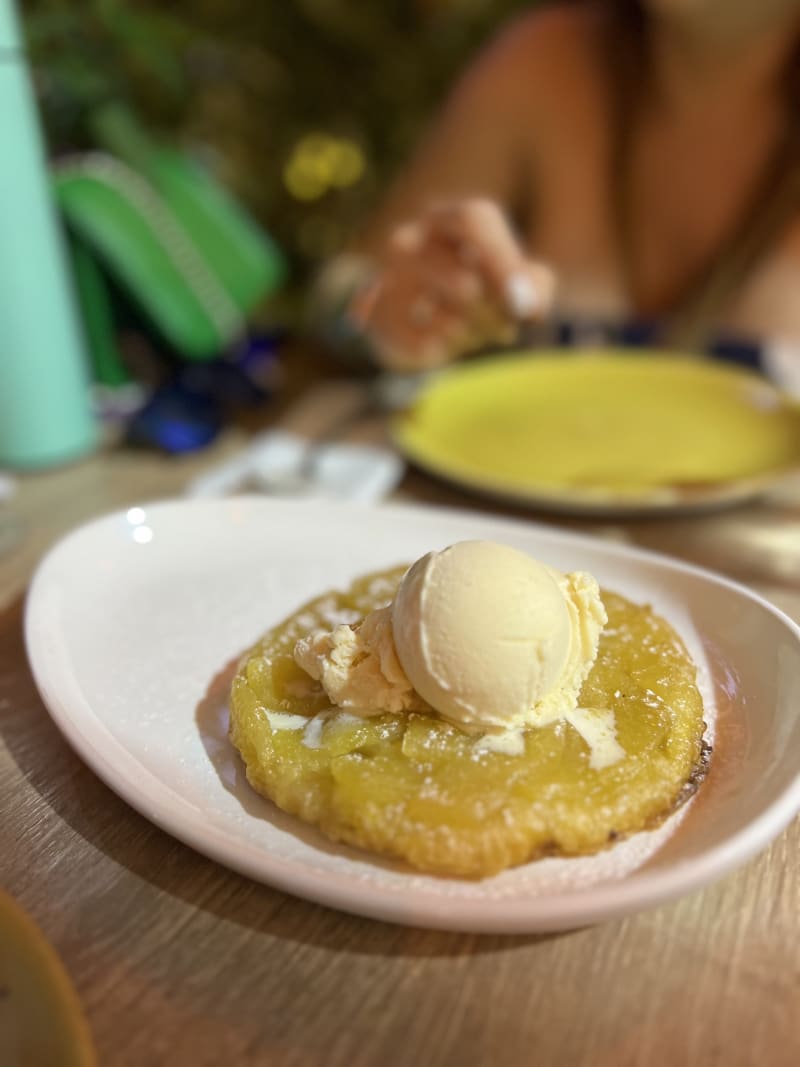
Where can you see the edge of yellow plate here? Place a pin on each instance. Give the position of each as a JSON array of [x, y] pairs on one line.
[[710, 496], [33, 952]]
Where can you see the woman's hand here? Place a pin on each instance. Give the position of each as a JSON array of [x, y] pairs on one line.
[[452, 282]]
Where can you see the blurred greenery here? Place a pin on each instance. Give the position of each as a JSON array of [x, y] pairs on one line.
[[86, 55], [304, 109]]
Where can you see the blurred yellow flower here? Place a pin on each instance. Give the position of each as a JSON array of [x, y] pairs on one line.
[[319, 163]]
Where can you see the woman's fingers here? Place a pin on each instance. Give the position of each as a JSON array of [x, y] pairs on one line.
[[434, 264], [421, 319], [453, 281], [415, 293], [481, 237], [402, 312]]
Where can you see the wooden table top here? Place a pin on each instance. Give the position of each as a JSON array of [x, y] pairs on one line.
[[179, 961]]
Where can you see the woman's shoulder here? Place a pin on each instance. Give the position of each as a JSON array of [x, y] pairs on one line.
[[550, 35], [555, 46]]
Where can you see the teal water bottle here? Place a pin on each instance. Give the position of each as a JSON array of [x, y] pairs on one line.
[[45, 414]]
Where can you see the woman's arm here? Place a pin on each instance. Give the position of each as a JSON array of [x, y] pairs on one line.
[[442, 267], [478, 146]]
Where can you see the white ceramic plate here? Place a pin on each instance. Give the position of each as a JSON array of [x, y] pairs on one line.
[[133, 623]]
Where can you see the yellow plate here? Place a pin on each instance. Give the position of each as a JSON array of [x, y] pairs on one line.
[[603, 431], [40, 1017]]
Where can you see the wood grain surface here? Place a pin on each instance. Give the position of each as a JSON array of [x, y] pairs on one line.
[[180, 961]]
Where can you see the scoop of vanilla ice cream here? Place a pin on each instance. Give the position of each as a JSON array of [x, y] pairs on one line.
[[492, 639], [480, 632], [358, 666]]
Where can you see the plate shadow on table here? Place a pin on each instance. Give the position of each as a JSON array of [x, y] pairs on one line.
[[119, 833]]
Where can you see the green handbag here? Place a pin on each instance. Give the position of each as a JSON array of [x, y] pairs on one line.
[[189, 258]]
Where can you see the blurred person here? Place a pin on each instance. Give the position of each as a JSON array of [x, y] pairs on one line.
[[619, 161]]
